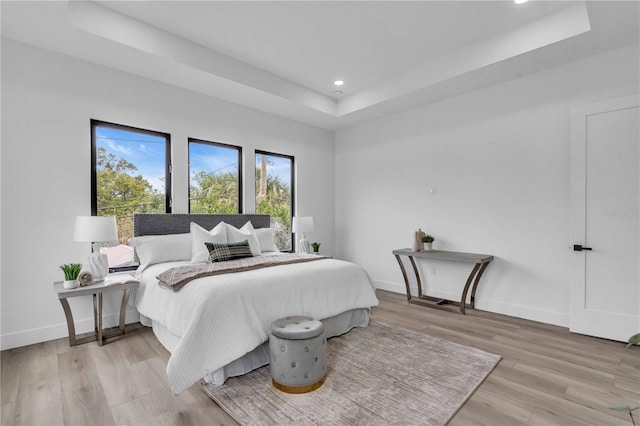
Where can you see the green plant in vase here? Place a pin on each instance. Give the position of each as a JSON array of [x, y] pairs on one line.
[[428, 242], [71, 272], [316, 247]]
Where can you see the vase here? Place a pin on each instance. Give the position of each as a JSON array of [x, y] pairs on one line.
[[98, 265], [417, 240], [428, 246], [68, 284]]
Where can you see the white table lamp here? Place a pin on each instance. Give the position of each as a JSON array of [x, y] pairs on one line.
[[96, 229], [303, 224]]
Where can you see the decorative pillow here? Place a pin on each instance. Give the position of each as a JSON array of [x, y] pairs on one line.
[[152, 249], [235, 235], [265, 238], [220, 252], [199, 236]]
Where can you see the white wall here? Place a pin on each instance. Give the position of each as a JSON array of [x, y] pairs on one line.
[[499, 159], [47, 102]]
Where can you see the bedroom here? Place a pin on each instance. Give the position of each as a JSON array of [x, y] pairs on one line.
[[365, 181]]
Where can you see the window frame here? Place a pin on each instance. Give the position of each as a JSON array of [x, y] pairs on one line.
[[222, 145], [293, 189], [126, 128], [168, 169]]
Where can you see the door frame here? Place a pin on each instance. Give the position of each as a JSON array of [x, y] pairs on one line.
[[577, 311]]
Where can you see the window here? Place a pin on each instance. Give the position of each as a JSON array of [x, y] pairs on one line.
[[215, 177], [130, 174], [275, 194]]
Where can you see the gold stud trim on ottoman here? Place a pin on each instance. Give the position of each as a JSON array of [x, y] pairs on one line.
[[297, 389], [298, 354]]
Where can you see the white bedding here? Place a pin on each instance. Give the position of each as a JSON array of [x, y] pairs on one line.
[[220, 318]]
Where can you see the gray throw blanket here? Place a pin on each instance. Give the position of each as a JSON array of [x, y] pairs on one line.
[[178, 277]]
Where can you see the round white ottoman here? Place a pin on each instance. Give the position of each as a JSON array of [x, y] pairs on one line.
[[298, 354]]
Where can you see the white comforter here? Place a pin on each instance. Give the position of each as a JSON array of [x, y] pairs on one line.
[[220, 318]]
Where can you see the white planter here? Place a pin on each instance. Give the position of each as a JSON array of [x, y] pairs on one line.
[[428, 246], [70, 284]]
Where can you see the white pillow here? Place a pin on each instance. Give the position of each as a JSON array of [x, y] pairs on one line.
[[199, 236], [152, 249], [265, 238], [235, 235]]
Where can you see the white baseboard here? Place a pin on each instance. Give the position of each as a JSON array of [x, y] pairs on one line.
[[390, 286], [400, 288], [57, 331], [534, 314], [526, 312]]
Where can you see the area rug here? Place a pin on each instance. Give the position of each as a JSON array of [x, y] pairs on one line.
[[378, 375]]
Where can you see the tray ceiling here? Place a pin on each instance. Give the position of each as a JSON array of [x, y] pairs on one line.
[[282, 57]]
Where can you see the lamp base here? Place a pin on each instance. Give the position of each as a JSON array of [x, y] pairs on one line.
[[99, 266], [304, 246]]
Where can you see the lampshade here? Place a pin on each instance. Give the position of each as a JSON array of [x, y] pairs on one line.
[[303, 224], [95, 228]]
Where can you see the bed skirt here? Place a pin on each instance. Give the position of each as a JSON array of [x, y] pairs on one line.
[[334, 326]]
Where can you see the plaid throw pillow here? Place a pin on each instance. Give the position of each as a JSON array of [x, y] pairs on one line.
[[219, 252]]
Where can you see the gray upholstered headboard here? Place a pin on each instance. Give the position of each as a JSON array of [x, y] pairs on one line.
[[163, 223]]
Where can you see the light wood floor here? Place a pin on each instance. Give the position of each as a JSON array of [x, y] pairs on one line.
[[547, 376]]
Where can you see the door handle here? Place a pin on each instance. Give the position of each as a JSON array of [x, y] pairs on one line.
[[578, 247]]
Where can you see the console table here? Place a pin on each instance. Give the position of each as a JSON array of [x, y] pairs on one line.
[[480, 261]]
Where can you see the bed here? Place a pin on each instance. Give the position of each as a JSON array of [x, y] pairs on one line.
[[217, 326]]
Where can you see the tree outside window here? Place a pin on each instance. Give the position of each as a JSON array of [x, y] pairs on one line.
[[215, 177], [275, 194], [130, 175]]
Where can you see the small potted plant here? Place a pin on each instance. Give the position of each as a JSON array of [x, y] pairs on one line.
[[71, 272], [316, 247], [428, 242]]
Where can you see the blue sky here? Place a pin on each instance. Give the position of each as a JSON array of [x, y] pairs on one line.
[[212, 159], [148, 154], [145, 151], [218, 159], [277, 166]]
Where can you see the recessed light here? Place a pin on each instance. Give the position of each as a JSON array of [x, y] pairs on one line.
[[520, 1], [338, 82]]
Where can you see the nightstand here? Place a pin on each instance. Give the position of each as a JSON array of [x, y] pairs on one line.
[[96, 290]]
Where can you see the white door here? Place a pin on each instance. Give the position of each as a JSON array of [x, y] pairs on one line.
[[605, 217]]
